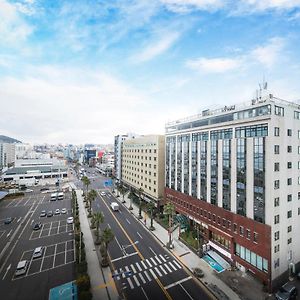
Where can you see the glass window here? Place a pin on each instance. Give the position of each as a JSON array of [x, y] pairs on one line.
[[289, 181], [242, 252], [276, 184], [276, 131], [276, 167], [289, 241], [289, 214], [248, 259], [279, 111], [276, 201], [238, 249], [289, 229], [265, 265], [241, 230], [259, 262], [276, 149], [276, 236], [255, 237], [276, 219], [289, 132], [253, 259], [289, 149], [289, 197], [289, 164]]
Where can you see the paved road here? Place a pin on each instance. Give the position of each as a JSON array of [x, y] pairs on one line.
[[151, 272], [55, 267]]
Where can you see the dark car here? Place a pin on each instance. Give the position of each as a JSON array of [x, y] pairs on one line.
[[44, 189], [287, 292], [8, 220], [50, 213], [37, 226], [43, 213]]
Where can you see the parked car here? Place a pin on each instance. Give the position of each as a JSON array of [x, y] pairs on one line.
[[44, 189], [21, 267], [198, 272], [37, 226], [38, 252], [287, 292], [43, 213], [8, 220], [50, 213], [57, 211], [70, 220], [64, 211]]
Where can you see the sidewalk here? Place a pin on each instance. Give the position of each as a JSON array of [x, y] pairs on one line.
[[102, 284], [187, 257]]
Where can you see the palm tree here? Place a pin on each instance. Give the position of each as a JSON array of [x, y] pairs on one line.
[[91, 196], [150, 208], [169, 210], [106, 237], [140, 192], [123, 191], [97, 219], [131, 196], [85, 180]]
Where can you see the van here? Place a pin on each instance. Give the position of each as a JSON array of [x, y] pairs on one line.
[[21, 267], [114, 206], [38, 252], [287, 292]]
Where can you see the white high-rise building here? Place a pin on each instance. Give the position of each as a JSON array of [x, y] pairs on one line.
[[234, 172], [7, 154]]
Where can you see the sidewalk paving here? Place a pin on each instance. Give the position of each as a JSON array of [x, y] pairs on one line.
[[187, 257], [102, 285]]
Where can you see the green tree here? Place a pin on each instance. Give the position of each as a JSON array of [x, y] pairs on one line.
[[91, 196], [131, 196], [122, 191], [97, 219], [106, 237], [150, 208], [140, 192], [86, 182], [169, 210]]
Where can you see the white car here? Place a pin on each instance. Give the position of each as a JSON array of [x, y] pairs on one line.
[[70, 220], [22, 267], [102, 193], [64, 211], [38, 252], [57, 211]]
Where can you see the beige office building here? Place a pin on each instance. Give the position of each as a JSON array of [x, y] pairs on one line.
[[143, 165]]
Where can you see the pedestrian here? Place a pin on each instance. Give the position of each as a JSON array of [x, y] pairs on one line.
[[145, 221]]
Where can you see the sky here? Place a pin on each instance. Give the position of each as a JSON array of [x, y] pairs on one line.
[[84, 71]]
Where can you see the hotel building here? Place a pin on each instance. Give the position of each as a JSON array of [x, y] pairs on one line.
[[235, 173], [143, 163]]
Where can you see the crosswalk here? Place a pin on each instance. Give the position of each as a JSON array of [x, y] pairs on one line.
[[142, 272]]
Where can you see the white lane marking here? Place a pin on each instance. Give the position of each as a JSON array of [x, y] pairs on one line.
[[148, 262], [172, 266], [168, 268], [154, 262], [147, 275], [137, 264], [144, 265], [119, 258], [43, 259], [127, 269], [130, 283], [122, 272], [157, 271], [152, 251], [136, 280], [19, 219], [118, 277], [128, 221], [9, 233], [7, 269], [162, 257], [66, 245], [178, 282], [163, 270], [144, 293], [186, 291], [177, 264], [120, 212], [139, 234], [153, 274], [133, 268], [26, 201], [142, 278], [118, 243], [159, 261]]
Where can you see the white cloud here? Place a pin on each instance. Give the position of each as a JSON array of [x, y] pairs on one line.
[[156, 48], [214, 65], [271, 4]]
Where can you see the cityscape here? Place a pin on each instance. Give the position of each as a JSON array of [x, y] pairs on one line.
[[149, 150]]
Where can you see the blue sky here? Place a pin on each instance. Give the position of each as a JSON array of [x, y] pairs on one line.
[[84, 71]]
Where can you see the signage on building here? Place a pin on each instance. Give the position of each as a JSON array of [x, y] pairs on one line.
[[228, 108]]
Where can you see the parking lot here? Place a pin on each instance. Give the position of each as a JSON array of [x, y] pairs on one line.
[[18, 241]]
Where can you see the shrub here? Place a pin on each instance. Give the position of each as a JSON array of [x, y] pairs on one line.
[[83, 283], [85, 295], [82, 267]]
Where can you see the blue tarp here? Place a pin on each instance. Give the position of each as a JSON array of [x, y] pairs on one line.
[[3, 194], [67, 291]]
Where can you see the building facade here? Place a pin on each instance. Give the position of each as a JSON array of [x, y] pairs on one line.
[[118, 144], [143, 163], [7, 155], [235, 173]]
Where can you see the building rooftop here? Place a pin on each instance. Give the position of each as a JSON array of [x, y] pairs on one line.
[[28, 170]]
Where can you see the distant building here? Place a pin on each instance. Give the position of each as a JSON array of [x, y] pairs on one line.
[[7, 155], [143, 162], [23, 150], [118, 144], [234, 173], [88, 154]]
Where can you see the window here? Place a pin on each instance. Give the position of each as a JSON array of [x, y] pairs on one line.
[[289, 165], [297, 115], [289, 149], [276, 201], [276, 219], [298, 164], [298, 195], [289, 181], [276, 249], [241, 230], [276, 167], [248, 234], [289, 214], [279, 111], [234, 227], [276, 236], [276, 149], [289, 197], [255, 237], [276, 131], [298, 149], [289, 132], [289, 240], [276, 184], [298, 211], [289, 229]]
